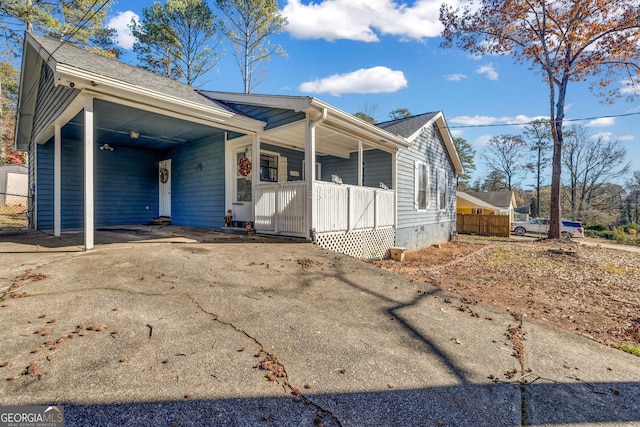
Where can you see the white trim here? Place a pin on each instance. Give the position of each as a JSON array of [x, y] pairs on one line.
[[360, 163], [443, 128], [89, 225], [416, 188], [440, 183], [164, 189], [269, 153], [57, 185]]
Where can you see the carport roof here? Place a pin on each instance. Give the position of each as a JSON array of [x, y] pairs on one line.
[[96, 76]]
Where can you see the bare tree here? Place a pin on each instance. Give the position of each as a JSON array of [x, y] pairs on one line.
[[633, 191], [591, 164], [538, 133], [249, 25], [507, 155], [564, 41]]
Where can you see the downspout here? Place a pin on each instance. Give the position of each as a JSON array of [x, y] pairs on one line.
[[310, 166]]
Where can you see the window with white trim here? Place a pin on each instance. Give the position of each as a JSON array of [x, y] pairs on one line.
[[442, 189], [421, 186]]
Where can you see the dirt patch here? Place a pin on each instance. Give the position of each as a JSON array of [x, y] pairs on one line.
[[591, 291]]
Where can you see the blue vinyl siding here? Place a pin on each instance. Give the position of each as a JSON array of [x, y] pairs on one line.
[[197, 184], [44, 186], [125, 183], [377, 168], [418, 229], [52, 100]]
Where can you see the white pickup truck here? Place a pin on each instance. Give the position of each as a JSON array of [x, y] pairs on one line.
[[568, 228]]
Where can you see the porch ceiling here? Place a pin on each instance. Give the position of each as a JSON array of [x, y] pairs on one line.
[[329, 140], [114, 122]]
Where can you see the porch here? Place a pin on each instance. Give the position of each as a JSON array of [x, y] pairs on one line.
[[353, 220]]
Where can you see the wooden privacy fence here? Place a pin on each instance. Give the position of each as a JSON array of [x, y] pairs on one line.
[[485, 225]]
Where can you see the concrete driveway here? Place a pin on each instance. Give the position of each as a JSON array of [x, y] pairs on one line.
[[176, 326]]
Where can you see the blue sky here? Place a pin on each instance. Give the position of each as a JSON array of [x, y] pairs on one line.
[[364, 54]]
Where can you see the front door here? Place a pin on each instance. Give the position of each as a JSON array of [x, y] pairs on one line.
[[164, 183], [243, 170]]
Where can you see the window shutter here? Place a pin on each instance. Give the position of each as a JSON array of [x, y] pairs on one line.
[[282, 169], [416, 185]]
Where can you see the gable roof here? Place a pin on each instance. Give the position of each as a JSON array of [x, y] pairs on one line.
[[100, 77], [411, 127], [502, 199], [408, 126], [68, 60], [477, 202], [315, 109]]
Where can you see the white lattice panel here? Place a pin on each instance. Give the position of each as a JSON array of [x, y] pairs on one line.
[[363, 244]]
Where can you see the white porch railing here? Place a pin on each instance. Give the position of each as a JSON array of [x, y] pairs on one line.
[[282, 208], [342, 207]]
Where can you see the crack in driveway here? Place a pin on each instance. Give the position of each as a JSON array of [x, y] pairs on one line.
[[515, 334], [275, 369]]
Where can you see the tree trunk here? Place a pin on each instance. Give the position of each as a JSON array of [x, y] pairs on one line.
[[538, 182]]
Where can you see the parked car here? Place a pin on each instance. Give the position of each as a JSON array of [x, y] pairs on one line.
[[568, 228]]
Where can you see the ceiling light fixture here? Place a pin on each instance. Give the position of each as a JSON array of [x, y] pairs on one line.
[[134, 135], [106, 147]]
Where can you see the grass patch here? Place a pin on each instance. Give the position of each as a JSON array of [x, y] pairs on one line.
[[631, 349], [612, 268]]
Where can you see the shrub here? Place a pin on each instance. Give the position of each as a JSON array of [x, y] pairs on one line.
[[596, 227], [619, 235], [609, 235]]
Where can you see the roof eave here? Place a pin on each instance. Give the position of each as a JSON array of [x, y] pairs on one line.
[[358, 126], [313, 107], [81, 79]]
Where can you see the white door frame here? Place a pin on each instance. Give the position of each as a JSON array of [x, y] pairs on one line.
[[231, 148], [164, 188]]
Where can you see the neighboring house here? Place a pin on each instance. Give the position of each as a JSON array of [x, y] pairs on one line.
[[522, 213], [13, 185], [427, 175], [466, 204], [113, 144], [505, 200]]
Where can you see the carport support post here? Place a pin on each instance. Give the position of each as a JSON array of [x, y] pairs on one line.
[[57, 183], [255, 175], [394, 186], [310, 172], [88, 175], [360, 159]]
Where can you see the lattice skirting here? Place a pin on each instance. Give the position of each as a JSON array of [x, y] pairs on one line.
[[364, 244]]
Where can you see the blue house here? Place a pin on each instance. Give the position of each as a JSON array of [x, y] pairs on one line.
[[111, 144]]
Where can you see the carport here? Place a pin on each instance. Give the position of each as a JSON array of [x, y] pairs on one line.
[[99, 133]]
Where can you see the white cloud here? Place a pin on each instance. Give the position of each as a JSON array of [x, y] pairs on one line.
[[455, 77], [363, 20], [601, 122], [489, 70], [473, 120], [121, 23], [605, 136], [626, 138], [456, 132], [518, 120], [483, 140], [365, 80], [630, 86]]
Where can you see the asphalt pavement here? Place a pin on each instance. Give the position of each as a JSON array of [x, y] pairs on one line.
[[164, 326]]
